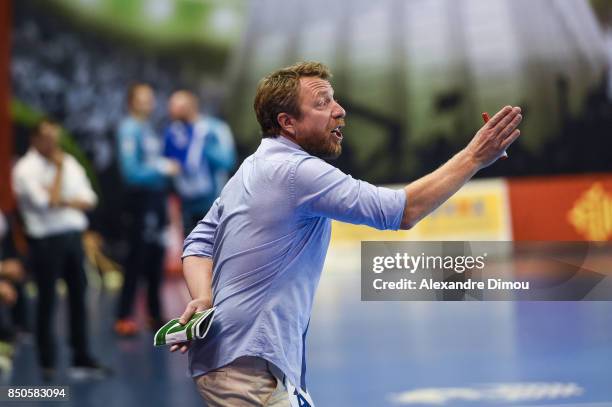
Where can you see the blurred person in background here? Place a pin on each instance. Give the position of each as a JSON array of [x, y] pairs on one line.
[[53, 193], [146, 175], [204, 146], [8, 298], [11, 268], [11, 277]]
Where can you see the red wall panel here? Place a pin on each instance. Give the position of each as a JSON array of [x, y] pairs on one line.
[[6, 137], [562, 207]]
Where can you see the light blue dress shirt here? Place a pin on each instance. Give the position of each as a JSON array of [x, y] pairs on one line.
[[268, 234]]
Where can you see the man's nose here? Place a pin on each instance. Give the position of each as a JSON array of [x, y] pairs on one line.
[[339, 111]]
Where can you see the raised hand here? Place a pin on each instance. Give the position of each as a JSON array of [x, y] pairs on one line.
[[492, 140]]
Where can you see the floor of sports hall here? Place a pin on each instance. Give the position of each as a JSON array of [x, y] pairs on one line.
[[377, 353]]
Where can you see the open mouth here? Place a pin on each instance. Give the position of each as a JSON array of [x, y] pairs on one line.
[[337, 132]]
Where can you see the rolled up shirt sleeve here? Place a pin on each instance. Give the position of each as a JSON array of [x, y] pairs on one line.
[[201, 240], [323, 190]]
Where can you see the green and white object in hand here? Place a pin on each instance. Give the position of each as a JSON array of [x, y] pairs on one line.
[[196, 328]]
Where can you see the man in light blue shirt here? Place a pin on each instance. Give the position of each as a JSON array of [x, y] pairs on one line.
[[258, 253], [146, 176]]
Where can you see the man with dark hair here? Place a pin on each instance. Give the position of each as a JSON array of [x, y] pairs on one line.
[[53, 192], [258, 254], [146, 175]]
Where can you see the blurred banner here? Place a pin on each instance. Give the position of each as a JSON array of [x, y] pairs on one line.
[[562, 208], [478, 212]]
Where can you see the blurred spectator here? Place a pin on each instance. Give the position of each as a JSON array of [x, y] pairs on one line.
[[8, 296], [146, 175], [53, 192], [10, 266], [14, 270], [11, 272], [204, 146]]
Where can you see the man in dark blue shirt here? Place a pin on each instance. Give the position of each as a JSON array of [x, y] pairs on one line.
[[204, 147]]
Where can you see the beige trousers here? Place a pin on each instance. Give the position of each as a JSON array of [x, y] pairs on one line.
[[246, 382]]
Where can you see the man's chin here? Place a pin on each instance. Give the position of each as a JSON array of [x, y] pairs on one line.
[[334, 155], [329, 154], [328, 150]]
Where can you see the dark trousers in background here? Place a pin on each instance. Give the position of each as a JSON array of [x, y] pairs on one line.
[[193, 210], [54, 257], [146, 212]]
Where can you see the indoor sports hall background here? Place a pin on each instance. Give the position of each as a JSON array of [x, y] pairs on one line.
[[414, 77]]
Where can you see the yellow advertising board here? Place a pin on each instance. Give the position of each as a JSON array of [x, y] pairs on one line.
[[479, 211]]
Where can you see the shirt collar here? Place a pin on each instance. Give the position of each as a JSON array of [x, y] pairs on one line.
[[284, 140]]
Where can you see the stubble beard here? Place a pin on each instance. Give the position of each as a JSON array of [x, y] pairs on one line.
[[323, 147]]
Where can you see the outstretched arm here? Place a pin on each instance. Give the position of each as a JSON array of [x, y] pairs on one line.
[[427, 193]]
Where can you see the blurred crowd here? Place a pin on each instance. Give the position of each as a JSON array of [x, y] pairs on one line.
[[76, 78], [46, 240]]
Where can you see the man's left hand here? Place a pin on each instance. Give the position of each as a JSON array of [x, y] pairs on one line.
[[199, 304]]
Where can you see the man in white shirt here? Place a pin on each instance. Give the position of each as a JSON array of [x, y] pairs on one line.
[[53, 192]]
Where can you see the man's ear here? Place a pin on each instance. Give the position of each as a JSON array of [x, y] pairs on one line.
[[287, 123]]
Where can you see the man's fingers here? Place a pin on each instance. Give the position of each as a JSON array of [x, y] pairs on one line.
[[506, 143], [182, 346], [511, 126], [189, 311], [506, 120], [499, 116]]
